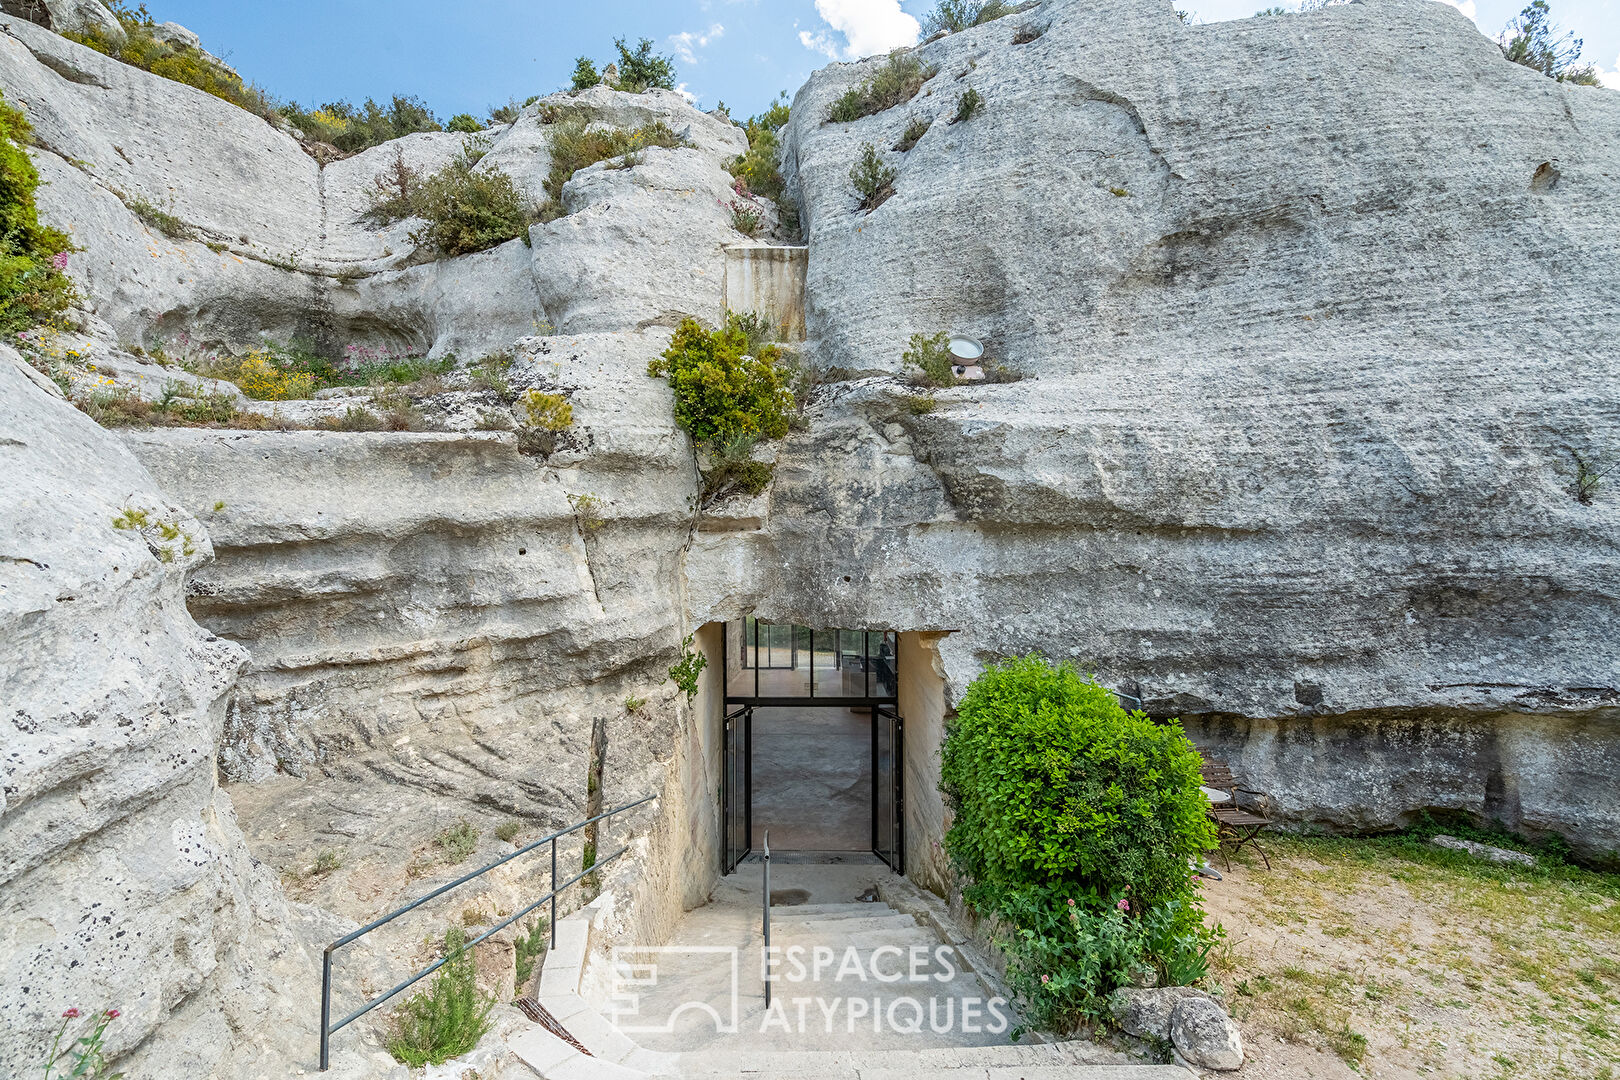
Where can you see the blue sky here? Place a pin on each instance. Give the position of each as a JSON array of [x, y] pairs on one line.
[[466, 57]]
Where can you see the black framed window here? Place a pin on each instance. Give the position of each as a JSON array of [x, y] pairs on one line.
[[783, 663]]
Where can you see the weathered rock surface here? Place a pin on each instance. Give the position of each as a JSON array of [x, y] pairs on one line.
[[124, 880], [1146, 1012], [70, 17], [1204, 1036], [1483, 851], [1295, 456]]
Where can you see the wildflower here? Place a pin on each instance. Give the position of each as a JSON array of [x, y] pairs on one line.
[[1071, 902], [1045, 979], [1123, 905], [71, 1014], [59, 260], [112, 1014]]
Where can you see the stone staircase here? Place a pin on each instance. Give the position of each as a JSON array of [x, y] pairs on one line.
[[686, 1020]]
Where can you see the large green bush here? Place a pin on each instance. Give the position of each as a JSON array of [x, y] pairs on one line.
[[576, 143], [32, 256], [1075, 823], [721, 388], [353, 128]]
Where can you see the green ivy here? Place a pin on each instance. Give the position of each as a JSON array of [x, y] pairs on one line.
[[32, 256], [685, 674]]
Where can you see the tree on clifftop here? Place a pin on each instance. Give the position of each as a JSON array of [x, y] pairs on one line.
[[1533, 40]]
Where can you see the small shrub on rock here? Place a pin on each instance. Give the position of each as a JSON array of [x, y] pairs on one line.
[[448, 1018], [915, 130], [463, 208], [353, 128], [968, 105], [641, 69], [954, 16], [732, 469], [873, 180], [261, 379], [759, 169], [545, 416], [931, 356], [457, 842], [895, 83], [466, 123], [585, 74], [1074, 824], [746, 217]]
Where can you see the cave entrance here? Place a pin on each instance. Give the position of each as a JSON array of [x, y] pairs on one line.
[[814, 742]]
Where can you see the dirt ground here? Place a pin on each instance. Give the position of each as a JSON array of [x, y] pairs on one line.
[[1395, 959]]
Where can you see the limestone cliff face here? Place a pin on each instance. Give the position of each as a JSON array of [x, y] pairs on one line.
[[124, 880], [1314, 312]]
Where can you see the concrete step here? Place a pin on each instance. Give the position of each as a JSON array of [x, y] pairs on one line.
[[835, 930], [875, 907]]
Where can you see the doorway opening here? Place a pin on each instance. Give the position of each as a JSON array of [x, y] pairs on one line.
[[813, 742]]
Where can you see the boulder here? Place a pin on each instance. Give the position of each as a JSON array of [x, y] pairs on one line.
[[1146, 1012], [172, 33], [69, 17], [1204, 1036]]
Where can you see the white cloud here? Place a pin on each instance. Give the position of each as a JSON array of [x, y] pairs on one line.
[[687, 43], [869, 27], [691, 98], [1610, 77], [1465, 6]]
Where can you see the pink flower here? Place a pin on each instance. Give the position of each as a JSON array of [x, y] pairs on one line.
[[71, 1014], [112, 1014], [59, 260], [1123, 905], [1045, 979], [1071, 903]]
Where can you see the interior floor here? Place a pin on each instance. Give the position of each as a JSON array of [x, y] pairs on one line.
[[812, 779]]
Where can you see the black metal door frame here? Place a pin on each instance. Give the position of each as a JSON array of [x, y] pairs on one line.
[[895, 853], [737, 789]]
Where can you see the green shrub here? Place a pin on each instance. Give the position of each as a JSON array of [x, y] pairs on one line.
[[465, 123], [915, 130], [33, 257], [585, 74], [161, 220], [721, 388], [873, 180], [759, 169], [732, 468], [932, 355], [958, 15], [746, 217], [467, 209], [576, 144], [530, 948], [1075, 823], [968, 105], [504, 114], [463, 208], [685, 676], [506, 831], [356, 418], [448, 1018], [353, 128], [641, 69], [895, 83]]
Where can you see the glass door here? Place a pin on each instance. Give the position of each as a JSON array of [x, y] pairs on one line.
[[888, 788], [736, 787]]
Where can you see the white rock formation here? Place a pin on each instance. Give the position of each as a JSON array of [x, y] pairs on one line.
[[124, 880]]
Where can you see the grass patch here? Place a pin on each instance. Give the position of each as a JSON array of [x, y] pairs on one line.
[[1389, 952], [457, 842], [576, 144], [507, 830]]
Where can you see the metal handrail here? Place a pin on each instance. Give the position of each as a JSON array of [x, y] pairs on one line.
[[328, 1029], [766, 956]]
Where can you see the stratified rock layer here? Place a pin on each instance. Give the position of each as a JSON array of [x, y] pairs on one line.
[[1315, 313]]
